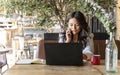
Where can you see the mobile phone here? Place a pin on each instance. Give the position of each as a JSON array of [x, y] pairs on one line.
[[71, 35]]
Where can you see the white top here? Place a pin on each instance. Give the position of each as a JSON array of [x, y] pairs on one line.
[[87, 49], [89, 46]]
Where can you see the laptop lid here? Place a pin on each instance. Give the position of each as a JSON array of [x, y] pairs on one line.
[[63, 54]]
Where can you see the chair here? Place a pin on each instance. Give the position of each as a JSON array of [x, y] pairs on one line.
[[3, 61], [99, 43], [41, 53], [48, 37], [53, 38], [118, 45], [99, 48]]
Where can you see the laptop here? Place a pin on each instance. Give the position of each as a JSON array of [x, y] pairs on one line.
[[68, 54]]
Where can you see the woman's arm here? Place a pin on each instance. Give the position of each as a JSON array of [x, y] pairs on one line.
[[87, 52]]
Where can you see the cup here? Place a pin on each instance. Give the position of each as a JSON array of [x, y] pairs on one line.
[[95, 60]]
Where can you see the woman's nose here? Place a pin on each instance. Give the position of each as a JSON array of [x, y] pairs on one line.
[[74, 27]]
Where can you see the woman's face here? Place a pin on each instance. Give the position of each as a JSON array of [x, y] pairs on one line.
[[74, 26]]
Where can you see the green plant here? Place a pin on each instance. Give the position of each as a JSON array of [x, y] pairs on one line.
[[51, 11], [104, 12]]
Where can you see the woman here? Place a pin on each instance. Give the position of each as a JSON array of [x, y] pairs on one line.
[[77, 31]]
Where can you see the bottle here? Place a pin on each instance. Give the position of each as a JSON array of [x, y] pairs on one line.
[[111, 57]]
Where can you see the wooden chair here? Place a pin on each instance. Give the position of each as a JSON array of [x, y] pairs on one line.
[[118, 45], [41, 53], [99, 43], [99, 48], [48, 37]]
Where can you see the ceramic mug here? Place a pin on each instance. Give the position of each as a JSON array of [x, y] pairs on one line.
[[95, 60]]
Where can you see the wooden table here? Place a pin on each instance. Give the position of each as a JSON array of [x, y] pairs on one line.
[[38, 69]]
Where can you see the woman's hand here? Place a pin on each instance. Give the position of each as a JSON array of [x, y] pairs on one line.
[[85, 57], [68, 35]]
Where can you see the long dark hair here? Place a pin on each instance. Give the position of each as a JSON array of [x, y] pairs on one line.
[[83, 34]]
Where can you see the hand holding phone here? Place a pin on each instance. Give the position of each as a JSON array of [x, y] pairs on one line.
[[69, 35]]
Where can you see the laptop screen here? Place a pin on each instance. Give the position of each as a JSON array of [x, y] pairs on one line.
[[63, 54]]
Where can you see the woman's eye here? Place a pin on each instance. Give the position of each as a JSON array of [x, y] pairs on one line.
[[77, 24], [71, 24]]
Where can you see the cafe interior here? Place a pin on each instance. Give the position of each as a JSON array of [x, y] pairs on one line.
[[26, 25]]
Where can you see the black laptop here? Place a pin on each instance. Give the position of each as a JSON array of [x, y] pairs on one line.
[[68, 54]]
